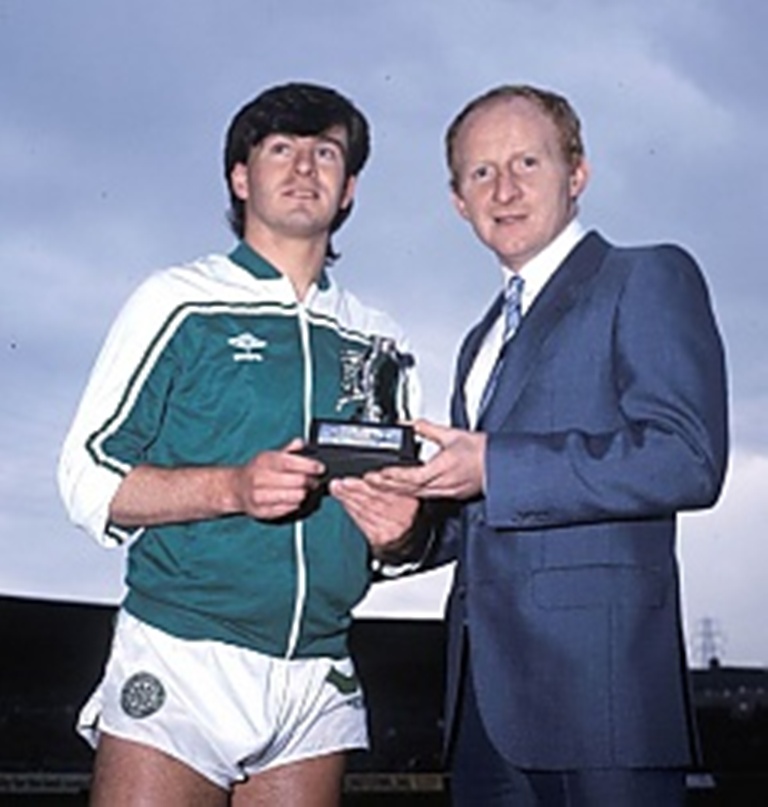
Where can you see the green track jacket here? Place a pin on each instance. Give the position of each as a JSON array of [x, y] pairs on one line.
[[209, 364]]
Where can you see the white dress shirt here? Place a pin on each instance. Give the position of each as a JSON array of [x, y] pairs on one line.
[[535, 273]]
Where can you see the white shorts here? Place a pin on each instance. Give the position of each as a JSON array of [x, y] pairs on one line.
[[225, 711]]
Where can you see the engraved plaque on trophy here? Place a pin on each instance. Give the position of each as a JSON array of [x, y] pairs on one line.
[[374, 382]]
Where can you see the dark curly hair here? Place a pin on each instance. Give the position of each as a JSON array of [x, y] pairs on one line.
[[297, 109]]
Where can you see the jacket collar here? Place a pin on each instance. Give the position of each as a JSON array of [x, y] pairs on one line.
[[566, 286], [558, 296], [245, 256]]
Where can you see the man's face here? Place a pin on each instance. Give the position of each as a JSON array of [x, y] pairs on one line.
[[293, 185], [513, 183]]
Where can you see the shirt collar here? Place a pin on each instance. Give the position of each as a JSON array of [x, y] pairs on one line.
[[537, 271]]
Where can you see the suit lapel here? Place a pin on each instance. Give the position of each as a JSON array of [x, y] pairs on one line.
[[539, 324], [467, 355]]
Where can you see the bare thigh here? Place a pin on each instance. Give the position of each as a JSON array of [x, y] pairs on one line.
[[129, 774], [312, 782]]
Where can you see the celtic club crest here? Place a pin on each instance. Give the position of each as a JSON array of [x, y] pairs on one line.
[[142, 695]]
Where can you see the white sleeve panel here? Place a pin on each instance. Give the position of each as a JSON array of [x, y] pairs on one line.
[[86, 484]]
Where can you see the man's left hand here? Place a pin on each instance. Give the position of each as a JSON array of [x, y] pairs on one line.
[[386, 519], [454, 472]]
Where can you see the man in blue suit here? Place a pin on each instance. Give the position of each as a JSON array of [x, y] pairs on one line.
[[579, 430]]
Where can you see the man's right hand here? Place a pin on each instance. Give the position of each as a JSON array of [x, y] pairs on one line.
[[274, 484]]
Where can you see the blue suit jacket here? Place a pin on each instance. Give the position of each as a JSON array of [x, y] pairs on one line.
[[609, 417]]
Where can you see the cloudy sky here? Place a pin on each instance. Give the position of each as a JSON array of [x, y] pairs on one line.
[[112, 117]]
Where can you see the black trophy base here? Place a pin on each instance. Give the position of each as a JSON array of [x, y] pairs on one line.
[[348, 448]]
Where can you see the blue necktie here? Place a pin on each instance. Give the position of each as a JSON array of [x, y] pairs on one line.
[[513, 295]]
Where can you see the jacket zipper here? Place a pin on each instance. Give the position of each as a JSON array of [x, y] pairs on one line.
[[298, 535]]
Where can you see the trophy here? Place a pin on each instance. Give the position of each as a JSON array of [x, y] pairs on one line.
[[374, 382]]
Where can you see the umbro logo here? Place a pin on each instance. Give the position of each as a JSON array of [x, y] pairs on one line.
[[247, 347]]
